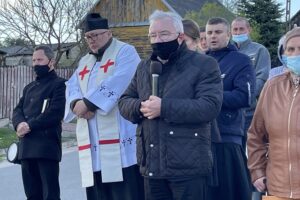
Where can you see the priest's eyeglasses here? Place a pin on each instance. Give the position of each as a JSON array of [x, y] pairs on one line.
[[94, 36]]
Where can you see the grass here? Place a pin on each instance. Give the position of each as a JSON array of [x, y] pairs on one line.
[[7, 136]]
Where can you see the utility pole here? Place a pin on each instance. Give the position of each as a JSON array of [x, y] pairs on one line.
[[288, 15], [3, 3]]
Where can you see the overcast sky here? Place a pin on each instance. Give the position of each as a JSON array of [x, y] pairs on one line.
[[295, 6]]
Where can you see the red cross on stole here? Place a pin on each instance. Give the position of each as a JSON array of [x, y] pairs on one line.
[[83, 72], [105, 66]]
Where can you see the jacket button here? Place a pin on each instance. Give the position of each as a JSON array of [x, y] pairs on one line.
[[150, 174], [31, 99], [151, 145], [196, 134], [26, 116], [171, 132]]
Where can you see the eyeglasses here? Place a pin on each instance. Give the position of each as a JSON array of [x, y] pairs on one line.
[[164, 35], [93, 36]]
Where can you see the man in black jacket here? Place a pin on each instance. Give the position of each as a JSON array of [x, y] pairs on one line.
[[173, 134], [37, 120]]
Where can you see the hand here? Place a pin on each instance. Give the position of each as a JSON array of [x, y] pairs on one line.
[[151, 108], [80, 109], [88, 115], [260, 185], [22, 129]]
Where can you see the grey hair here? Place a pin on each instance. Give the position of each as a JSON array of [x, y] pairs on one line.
[[47, 50], [176, 19], [242, 19]]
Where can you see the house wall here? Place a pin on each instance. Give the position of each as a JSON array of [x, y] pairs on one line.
[[130, 11], [67, 61], [19, 60], [27, 59], [117, 11], [136, 36]]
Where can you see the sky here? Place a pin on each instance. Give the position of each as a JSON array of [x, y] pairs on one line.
[[295, 6]]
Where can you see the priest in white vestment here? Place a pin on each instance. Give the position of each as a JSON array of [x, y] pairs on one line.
[[106, 141]]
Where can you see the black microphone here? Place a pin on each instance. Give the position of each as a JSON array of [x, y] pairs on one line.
[[155, 70]]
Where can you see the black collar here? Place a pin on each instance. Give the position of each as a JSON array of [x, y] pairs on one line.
[[101, 51]]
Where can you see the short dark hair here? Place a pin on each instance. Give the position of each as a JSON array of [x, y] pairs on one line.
[[47, 50], [191, 28], [202, 29], [218, 20], [242, 19]]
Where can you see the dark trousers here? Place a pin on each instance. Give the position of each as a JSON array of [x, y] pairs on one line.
[[175, 188], [131, 188], [233, 175], [40, 179]]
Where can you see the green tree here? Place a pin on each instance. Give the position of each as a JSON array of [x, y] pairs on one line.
[[265, 16], [231, 5], [207, 11]]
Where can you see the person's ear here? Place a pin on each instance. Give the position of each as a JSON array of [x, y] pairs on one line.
[[110, 33], [249, 30], [51, 63], [180, 37], [229, 34]]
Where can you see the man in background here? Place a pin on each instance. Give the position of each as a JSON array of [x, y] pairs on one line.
[[202, 42], [238, 78], [260, 57]]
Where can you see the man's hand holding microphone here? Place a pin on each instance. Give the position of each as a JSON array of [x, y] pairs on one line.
[[151, 108]]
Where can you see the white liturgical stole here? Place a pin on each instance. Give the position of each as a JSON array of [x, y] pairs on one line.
[[107, 125]]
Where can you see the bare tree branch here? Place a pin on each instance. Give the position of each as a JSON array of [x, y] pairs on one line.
[[44, 21]]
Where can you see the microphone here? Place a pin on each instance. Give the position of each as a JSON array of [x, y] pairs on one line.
[[155, 70]]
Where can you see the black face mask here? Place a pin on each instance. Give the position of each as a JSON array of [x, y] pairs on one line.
[[41, 70], [164, 49]]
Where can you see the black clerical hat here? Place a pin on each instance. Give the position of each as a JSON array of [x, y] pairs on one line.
[[94, 21]]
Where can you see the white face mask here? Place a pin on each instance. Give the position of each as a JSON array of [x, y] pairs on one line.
[[240, 38]]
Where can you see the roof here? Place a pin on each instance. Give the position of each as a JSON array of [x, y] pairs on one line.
[[296, 17], [64, 46], [17, 50], [2, 52], [182, 7]]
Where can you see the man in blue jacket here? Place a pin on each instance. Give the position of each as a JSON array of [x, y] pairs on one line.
[[238, 86]]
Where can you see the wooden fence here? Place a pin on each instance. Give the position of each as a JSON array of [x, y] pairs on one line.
[[12, 81]]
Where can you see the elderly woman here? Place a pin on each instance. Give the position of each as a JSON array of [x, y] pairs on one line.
[[274, 135]]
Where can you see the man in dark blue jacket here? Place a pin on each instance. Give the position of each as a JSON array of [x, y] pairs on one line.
[[173, 134], [37, 120], [238, 85]]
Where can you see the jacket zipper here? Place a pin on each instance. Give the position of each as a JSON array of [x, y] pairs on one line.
[[289, 139]]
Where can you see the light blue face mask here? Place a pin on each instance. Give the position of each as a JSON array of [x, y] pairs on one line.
[[284, 60], [293, 63], [240, 38]]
